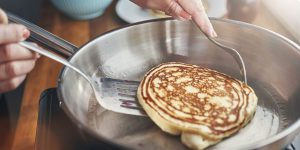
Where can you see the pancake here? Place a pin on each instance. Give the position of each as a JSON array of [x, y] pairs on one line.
[[157, 13], [202, 105]]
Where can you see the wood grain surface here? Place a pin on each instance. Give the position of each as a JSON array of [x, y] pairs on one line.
[[46, 71]]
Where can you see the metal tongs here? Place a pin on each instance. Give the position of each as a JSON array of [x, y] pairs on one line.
[[233, 52]]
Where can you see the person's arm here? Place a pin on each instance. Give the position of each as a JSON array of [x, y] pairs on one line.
[[15, 60], [182, 10]]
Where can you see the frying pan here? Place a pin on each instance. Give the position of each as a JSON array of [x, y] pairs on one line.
[[272, 62]]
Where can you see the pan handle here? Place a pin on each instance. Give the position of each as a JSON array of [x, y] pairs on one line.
[[45, 38]]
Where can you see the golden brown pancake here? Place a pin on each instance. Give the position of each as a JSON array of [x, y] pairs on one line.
[[157, 13], [201, 104]]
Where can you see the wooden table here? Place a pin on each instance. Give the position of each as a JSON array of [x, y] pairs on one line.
[[46, 71]]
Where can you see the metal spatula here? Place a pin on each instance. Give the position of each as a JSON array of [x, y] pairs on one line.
[[112, 94], [233, 52], [120, 95]]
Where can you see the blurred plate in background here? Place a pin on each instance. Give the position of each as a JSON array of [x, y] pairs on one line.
[[131, 13]]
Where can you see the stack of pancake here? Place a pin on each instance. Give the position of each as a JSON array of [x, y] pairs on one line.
[[200, 104]]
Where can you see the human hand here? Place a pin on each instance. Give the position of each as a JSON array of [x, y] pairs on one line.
[[15, 60], [182, 10]]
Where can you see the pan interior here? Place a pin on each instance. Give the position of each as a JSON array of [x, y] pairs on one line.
[[140, 132], [272, 66]]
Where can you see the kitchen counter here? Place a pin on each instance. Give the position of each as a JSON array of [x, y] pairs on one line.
[[46, 72]]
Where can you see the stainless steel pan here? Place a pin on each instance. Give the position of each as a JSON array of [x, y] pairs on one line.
[[272, 62]]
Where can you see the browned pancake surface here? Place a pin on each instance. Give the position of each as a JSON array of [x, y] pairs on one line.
[[198, 99]]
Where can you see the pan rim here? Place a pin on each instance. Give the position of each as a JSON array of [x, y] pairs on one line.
[[272, 139]]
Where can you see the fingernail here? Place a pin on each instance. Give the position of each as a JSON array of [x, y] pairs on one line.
[[212, 33], [215, 33], [26, 34], [37, 55]]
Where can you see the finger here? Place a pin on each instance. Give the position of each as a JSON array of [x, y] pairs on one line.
[[197, 11], [11, 52], [169, 7], [37, 55], [175, 10], [11, 84], [3, 17], [13, 33], [16, 68]]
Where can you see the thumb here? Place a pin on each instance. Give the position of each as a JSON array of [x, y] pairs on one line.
[[3, 17]]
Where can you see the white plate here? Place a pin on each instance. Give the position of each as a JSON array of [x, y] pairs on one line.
[[131, 13]]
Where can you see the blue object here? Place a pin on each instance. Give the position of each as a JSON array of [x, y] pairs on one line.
[[82, 9]]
